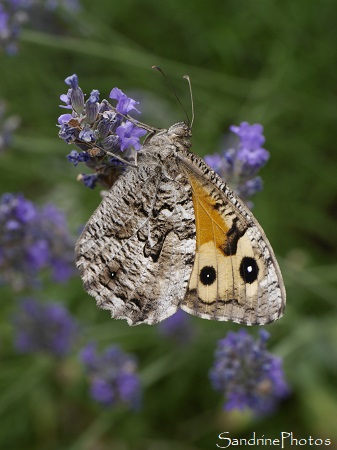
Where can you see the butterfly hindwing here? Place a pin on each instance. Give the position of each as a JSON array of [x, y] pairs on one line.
[[136, 252], [235, 274]]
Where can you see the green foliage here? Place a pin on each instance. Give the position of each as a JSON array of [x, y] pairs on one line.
[[263, 61]]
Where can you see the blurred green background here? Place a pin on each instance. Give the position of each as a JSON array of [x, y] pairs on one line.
[[257, 61]]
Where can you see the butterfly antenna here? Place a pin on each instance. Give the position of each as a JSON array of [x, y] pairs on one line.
[[186, 77], [173, 92]]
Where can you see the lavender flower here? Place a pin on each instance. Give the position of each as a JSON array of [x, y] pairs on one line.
[[129, 135], [113, 376], [247, 374], [75, 95], [7, 126], [97, 129], [15, 13], [240, 164], [32, 239], [76, 157], [90, 180], [125, 104], [44, 328], [177, 327]]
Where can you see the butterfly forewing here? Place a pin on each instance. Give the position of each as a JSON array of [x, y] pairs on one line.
[[235, 274]]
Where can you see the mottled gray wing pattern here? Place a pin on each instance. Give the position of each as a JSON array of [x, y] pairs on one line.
[[136, 253]]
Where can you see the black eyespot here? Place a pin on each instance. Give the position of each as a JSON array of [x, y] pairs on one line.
[[249, 269], [207, 275], [112, 274]]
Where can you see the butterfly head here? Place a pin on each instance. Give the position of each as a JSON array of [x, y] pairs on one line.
[[179, 134], [180, 130]]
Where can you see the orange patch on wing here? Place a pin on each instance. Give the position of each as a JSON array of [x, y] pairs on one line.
[[210, 226]]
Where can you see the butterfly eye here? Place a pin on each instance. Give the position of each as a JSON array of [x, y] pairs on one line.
[[249, 269], [207, 275]]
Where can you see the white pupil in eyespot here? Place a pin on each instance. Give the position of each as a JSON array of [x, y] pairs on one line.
[[249, 269]]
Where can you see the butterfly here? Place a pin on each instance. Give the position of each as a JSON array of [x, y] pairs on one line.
[[171, 234]]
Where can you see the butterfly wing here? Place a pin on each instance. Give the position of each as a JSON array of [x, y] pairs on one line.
[[136, 253], [235, 274]]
